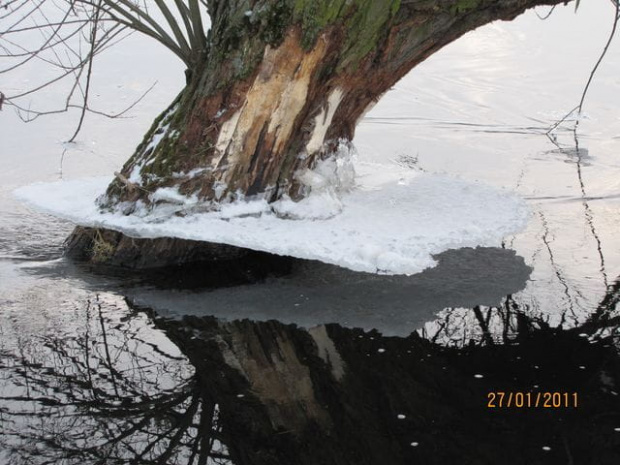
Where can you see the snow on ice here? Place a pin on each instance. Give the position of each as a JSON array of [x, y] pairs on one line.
[[390, 220]]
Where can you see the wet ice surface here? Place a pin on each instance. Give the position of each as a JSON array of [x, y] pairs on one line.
[[89, 372]]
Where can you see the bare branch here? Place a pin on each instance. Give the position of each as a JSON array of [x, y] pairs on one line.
[[73, 32]]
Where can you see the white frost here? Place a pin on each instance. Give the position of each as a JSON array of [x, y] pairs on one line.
[[328, 181], [242, 209], [317, 206], [385, 226], [336, 173], [135, 176], [161, 130], [190, 174], [172, 195]]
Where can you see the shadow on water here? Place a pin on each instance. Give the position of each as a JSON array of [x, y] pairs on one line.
[[132, 385], [309, 293]]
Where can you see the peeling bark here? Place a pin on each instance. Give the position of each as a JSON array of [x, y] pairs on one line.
[[274, 103], [283, 83]]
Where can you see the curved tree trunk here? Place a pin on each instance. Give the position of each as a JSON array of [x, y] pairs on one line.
[[281, 86]]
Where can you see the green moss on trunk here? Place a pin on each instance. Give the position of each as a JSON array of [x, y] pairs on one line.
[[281, 60]]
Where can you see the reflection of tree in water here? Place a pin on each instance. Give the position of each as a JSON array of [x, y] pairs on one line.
[[576, 305], [516, 315], [334, 395], [457, 327], [111, 394], [269, 393], [502, 324]]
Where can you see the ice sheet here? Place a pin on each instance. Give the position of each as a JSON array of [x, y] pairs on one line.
[[392, 222]]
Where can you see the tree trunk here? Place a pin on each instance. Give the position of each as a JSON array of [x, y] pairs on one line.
[[281, 86]]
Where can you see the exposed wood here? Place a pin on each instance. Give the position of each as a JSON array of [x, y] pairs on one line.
[[282, 85]]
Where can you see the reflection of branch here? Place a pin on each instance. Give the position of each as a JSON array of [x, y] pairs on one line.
[[484, 325], [589, 215], [178, 429], [606, 307], [510, 308], [588, 211], [106, 347], [113, 399], [556, 268]]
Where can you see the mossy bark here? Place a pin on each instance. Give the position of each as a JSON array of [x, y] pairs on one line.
[[280, 86]]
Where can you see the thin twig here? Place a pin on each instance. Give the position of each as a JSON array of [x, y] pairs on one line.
[[579, 108], [611, 36], [91, 57]]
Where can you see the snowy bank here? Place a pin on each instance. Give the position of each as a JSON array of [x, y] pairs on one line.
[[392, 222]]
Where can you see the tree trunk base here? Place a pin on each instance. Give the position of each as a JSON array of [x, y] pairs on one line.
[[110, 248]]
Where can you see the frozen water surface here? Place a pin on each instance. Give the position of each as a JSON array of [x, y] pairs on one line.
[[393, 226], [316, 365]]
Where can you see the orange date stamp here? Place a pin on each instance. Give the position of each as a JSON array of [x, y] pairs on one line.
[[500, 399]]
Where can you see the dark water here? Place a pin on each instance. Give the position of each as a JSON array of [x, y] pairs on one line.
[[90, 373], [326, 366]]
